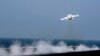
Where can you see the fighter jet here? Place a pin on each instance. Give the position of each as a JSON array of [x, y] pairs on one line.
[[70, 17]]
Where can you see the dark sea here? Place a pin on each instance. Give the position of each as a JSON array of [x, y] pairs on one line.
[[7, 42]]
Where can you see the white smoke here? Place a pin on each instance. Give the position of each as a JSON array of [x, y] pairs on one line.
[[70, 17], [3, 52], [15, 49], [61, 48], [43, 47], [28, 50]]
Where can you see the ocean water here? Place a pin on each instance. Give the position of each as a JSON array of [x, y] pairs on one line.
[[17, 47]]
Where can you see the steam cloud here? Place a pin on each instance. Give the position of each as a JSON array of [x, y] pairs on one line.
[[43, 47]]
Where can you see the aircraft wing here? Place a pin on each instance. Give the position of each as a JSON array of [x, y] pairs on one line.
[[75, 16], [65, 18]]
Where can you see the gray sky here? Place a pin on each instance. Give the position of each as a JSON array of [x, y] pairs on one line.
[[41, 19]]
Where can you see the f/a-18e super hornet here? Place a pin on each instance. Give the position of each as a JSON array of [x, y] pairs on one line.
[[70, 17]]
